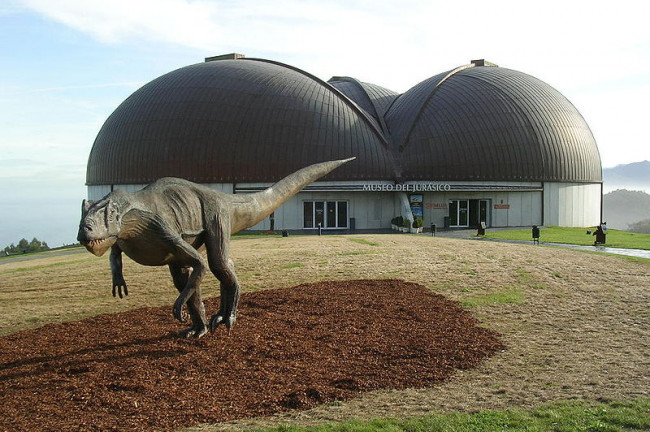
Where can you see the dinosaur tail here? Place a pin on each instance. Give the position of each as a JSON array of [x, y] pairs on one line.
[[251, 209]]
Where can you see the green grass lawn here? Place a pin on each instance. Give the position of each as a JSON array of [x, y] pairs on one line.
[[560, 416], [579, 236]]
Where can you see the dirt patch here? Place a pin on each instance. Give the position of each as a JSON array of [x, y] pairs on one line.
[[293, 348]]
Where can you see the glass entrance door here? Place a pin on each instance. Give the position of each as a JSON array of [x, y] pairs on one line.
[[469, 213], [463, 213], [459, 213], [319, 213], [326, 214]]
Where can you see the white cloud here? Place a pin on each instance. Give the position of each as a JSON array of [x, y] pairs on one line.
[[396, 41], [17, 91], [118, 21], [617, 116]]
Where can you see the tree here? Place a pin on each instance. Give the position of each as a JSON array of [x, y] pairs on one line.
[[36, 245], [23, 246], [26, 247]]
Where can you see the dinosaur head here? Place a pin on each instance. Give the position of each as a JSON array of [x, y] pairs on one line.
[[100, 225]]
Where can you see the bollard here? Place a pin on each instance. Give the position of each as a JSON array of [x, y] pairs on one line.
[[320, 228], [535, 234]]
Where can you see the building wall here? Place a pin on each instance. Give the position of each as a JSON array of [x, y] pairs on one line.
[[95, 193], [100, 191], [564, 204], [572, 204], [370, 210], [374, 210], [504, 208]]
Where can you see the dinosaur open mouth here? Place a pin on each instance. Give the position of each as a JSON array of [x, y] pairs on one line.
[[98, 246]]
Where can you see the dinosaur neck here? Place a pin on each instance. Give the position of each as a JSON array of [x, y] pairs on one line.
[[258, 206]]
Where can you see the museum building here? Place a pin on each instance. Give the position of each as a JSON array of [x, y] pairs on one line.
[[478, 143]]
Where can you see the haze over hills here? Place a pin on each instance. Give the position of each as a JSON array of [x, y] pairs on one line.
[[633, 176], [623, 207], [626, 200]]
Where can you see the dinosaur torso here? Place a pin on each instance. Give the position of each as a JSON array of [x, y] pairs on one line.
[[167, 210]]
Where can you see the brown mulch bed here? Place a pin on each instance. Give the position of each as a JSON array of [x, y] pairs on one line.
[[292, 348]]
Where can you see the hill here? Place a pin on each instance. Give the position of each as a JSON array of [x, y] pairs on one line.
[[622, 208], [633, 176]]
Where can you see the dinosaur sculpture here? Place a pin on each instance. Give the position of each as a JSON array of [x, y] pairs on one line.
[[168, 221]]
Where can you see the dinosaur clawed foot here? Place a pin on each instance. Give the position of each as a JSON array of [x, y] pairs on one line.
[[221, 318], [196, 331], [179, 312], [119, 287]]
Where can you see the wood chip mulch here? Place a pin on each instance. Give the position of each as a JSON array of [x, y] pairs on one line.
[[292, 348]]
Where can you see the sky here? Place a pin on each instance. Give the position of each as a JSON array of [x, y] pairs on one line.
[[65, 65]]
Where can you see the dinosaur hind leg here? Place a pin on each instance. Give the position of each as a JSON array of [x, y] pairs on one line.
[[195, 307], [217, 247], [227, 313]]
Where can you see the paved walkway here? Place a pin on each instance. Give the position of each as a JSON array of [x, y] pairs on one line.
[[471, 235], [51, 253]]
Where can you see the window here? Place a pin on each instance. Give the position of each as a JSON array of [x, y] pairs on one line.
[[308, 215], [329, 214]]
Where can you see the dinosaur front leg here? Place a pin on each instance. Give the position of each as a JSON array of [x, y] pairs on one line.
[[119, 284], [199, 327]]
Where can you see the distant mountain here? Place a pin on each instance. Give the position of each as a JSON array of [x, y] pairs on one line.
[[633, 176], [623, 207]]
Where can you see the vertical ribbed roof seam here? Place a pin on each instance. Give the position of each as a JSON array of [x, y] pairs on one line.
[[380, 117], [334, 90], [425, 102]]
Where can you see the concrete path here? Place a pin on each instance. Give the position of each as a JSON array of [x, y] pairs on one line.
[[471, 235], [28, 257]]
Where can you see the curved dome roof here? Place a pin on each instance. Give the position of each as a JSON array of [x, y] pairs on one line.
[[251, 120], [240, 120], [491, 124]]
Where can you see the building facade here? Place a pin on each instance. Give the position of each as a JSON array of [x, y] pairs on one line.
[[478, 143]]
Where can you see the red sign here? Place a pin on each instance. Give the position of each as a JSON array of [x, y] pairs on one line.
[[502, 206], [438, 206]]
